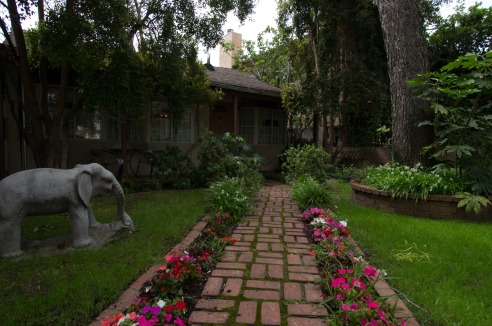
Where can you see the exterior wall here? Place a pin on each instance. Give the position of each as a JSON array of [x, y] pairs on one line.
[[225, 59], [435, 206]]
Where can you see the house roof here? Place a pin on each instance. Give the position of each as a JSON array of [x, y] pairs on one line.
[[231, 79]]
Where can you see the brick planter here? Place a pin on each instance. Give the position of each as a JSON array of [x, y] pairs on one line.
[[435, 206]]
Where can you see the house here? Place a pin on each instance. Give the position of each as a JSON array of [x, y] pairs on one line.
[[249, 108]]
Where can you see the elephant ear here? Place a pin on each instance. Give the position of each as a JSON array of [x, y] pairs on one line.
[[84, 185]]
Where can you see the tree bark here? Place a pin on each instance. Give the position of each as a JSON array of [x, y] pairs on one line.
[[407, 56]]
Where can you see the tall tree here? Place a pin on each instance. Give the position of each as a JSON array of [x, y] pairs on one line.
[[95, 40], [340, 66], [461, 33], [407, 56]]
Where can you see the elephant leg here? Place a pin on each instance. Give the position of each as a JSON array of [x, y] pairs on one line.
[[80, 227], [10, 238], [92, 219]]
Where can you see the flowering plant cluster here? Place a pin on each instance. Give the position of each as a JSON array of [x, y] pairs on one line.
[[312, 213], [348, 281], [169, 279], [142, 313]]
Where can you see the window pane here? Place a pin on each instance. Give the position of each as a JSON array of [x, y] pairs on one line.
[[113, 128], [88, 126], [160, 126], [184, 129], [279, 126], [246, 124], [264, 126]]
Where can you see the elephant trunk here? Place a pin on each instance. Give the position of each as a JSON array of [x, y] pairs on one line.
[[120, 198]]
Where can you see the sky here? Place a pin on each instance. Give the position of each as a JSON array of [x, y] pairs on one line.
[[265, 14]]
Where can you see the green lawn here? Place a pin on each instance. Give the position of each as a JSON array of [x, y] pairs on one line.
[[73, 288], [453, 287]]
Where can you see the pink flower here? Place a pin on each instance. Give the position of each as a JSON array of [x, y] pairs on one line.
[[372, 305], [342, 271], [340, 296], [363, 322], [381, 315], [359, 284], [346, 287], [345, 307], [370, 271], [336, 282], [179, 322], [168, 317], [354, 306]]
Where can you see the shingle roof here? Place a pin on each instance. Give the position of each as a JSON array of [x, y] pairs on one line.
[[231, 79]]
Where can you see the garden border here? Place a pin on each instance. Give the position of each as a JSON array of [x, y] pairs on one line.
[[434, 206]]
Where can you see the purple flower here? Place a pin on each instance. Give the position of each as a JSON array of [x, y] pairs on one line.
[[146, 309], [155, 310]]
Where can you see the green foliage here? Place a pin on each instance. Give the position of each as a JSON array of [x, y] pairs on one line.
[[402, 181], [309, 193], [306, 160], [152, 185], [226, 155], [471, 201], [337, 66], [461, 33], [171, 164], [461, 99]]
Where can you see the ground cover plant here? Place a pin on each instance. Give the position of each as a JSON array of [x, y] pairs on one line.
[[439, 267], [73, 288]]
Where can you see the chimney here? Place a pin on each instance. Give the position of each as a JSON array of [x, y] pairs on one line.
[[226, 59]]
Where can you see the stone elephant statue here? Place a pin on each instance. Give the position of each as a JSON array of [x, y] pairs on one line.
[[53, 191]]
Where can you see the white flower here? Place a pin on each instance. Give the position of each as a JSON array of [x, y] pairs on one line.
[[318, 220], [344, 223], [123, 319], [161, 304], [382, 272]]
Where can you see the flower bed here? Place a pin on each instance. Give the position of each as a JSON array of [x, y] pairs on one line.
[[353, 290], [166, 296], [434, 206]]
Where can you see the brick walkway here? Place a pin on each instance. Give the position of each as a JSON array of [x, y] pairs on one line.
[[267, 277]]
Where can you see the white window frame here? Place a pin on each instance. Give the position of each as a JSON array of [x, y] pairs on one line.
[[165, 124]]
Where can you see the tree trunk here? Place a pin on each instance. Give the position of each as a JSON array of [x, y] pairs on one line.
[[407, 57]]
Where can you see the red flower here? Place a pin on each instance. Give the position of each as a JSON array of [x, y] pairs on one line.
[[209, 230], [233, 240], [169, 309], [180, 305]]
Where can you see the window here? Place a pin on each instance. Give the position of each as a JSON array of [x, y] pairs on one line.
[[246, 124], [83, 125], [271, 126], [134, 129], [161, 124]]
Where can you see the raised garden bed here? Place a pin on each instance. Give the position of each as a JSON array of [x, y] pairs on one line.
[[435, 206]]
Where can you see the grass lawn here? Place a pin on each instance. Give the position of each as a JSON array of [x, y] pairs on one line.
[[453, 287], [73, 288]]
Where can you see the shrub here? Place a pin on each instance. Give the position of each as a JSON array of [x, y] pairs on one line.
[[306, 160], [309, 193], [229, 195], [460, 97], [173, 165], [225, 155]]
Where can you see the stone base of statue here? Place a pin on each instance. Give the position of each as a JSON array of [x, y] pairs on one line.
[[63, 244]]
